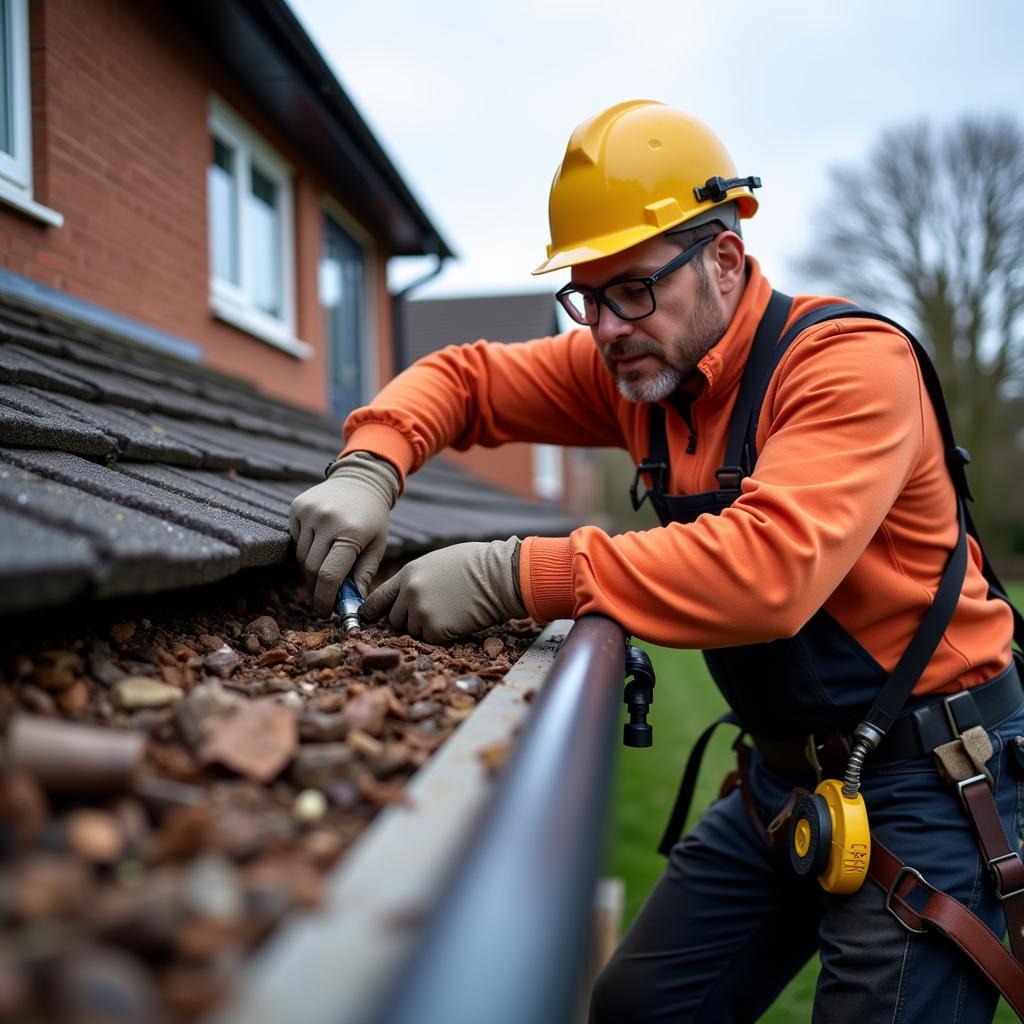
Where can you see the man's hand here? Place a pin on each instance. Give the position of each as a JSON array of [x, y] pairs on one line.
[[451, 592], [340, 527]]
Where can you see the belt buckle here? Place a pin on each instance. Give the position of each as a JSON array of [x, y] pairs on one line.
[[903, 871], [1000, 895]]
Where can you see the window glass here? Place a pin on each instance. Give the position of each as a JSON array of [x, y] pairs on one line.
[[264, 243], [250, 224], [6, 83], [223, 198]]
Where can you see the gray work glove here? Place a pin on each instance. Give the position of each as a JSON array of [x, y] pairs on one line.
[[449, 593], [340, 527]]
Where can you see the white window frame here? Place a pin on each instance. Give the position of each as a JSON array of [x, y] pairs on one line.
[[228, 301], [16, 167], [549, 472], [331, 207]]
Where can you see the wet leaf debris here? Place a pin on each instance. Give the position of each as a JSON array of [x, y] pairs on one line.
[[173, 788]]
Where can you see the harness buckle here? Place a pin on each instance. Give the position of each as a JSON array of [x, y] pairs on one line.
[[998, 878], [963, 784], [960, 722], [729, 478], [657, 471], [904, 870]]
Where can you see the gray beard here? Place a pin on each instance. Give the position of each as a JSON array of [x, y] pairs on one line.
[[656, 389]]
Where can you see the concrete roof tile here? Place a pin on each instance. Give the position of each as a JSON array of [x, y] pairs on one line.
[[42, 565], [195, 455], [257, 455], [194, 484], [17, 366], [138, 435], [29, 418], [132, 551], [234, 487], [257, 544]]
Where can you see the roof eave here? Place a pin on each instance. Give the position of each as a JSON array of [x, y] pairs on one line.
[[265, 48]]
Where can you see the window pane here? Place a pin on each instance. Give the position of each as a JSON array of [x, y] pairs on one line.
[[263, 239], [6, 85], [222, 189]]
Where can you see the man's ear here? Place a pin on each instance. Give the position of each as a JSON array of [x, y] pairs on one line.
[[728, 254]]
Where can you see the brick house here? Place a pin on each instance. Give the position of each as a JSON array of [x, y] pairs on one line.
[[195, 226], [196, 168]]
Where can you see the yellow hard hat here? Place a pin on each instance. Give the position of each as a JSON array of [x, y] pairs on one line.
[[632, 172]]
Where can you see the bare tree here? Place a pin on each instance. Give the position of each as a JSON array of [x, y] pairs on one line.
[[930, 231]]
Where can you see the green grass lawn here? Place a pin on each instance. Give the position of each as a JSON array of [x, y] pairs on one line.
[[646, 780]]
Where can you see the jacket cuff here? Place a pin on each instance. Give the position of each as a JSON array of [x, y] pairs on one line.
[[545, 578], [386, 443]]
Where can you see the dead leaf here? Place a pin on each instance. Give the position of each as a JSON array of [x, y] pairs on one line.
[[363, 743], [382, 794], [493, 646], [309, 638], [367, 712], [273, 657], [395, 707], [257, 741], [494, 757], [122, 632]]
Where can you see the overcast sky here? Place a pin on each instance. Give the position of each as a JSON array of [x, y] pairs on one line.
[[474, 102]]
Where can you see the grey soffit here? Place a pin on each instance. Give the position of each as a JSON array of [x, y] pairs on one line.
[[125, 470]]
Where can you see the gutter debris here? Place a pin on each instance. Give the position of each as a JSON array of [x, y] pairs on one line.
[[174, 790]]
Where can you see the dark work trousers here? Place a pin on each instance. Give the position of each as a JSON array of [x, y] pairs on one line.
[[728, 924]]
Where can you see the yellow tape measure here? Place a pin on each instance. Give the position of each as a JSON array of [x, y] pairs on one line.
[[828, 835]]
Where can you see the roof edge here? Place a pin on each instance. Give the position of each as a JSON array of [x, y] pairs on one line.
[[41, 298]]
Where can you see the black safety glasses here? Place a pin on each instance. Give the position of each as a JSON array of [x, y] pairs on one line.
[[629, 299]]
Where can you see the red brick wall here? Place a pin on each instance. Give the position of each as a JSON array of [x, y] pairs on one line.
[[120, 96]]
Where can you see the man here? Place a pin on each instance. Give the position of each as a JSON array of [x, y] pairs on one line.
[[801, 551]]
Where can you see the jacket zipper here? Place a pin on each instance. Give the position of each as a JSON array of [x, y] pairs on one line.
[[684, 408], [691, 441]]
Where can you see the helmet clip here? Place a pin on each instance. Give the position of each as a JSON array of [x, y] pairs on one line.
[[716, 188]]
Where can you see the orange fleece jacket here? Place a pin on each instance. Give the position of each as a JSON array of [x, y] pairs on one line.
[[850, 505]]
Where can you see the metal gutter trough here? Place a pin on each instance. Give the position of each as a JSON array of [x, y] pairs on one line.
[[473, 902]]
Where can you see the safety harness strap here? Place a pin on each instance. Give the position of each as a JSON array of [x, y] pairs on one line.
[[898, 687], [949, 917], [739, 458], [739, 451], [677, 820], [1003, 863]]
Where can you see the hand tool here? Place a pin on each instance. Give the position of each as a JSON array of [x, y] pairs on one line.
[[347, 605]]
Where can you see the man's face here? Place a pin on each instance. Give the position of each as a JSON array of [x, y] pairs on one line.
[[651, 357]]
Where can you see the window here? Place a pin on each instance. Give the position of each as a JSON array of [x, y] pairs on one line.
[[548, 476], [16, 114], [249, 195], [342, 287]]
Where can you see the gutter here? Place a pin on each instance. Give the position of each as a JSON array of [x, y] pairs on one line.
[[398, 300], [509, 938], [473, 901]]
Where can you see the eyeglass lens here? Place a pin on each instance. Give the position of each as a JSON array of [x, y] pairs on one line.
[[630, 300]]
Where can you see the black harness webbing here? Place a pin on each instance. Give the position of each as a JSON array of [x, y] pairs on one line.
[[677, 820], [741, 454]]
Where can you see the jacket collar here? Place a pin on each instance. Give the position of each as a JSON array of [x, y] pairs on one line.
[[722, 366]]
